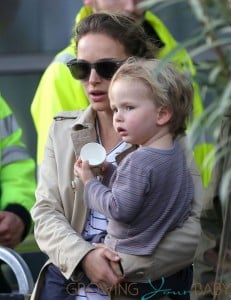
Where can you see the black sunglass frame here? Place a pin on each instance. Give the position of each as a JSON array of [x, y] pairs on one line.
[[105, 73]]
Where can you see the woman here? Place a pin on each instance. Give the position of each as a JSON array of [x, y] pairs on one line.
[[64, 228]]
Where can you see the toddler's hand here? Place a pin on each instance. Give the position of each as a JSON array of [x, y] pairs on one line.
[[83, 170]]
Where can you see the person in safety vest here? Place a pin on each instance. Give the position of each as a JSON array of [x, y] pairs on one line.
[[58, 91], [17, 184]]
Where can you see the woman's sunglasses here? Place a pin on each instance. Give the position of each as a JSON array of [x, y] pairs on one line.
[[81, 69]]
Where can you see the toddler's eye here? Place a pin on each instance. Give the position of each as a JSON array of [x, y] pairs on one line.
[[114, 110]]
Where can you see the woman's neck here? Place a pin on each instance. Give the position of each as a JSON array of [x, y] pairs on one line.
[[107, 134]]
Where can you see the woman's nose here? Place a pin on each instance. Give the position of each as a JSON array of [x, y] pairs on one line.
[[93, 77]]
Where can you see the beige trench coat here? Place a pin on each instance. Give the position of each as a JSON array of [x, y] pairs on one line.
[[59, 213]]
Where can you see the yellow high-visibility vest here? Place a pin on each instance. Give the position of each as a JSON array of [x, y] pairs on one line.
[[17, 168]]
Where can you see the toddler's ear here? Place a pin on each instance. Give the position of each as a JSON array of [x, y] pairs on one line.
[[164, 115]]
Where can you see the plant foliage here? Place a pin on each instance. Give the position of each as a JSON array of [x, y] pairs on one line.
[[210, 47]]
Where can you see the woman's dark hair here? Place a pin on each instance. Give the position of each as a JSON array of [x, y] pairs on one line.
[[120, 27]]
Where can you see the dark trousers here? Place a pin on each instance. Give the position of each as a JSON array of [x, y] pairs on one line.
[[176, 287], [55, 285]]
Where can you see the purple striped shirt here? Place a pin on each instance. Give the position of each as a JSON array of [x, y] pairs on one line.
[[151, 193]]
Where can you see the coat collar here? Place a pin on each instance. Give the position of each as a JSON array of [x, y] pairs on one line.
[[83, 131]]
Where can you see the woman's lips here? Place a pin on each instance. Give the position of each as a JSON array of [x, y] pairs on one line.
[[97, 96]]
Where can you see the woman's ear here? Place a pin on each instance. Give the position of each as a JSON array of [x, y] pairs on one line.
[[164, 115]]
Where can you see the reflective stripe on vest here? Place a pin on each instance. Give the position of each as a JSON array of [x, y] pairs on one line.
[[64, 58], [13, 153], [8, 126]]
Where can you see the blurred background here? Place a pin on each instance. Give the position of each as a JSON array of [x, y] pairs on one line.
[[33, 31]]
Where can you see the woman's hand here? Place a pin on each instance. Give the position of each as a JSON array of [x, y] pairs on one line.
[[99, 266], [115, 265]]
